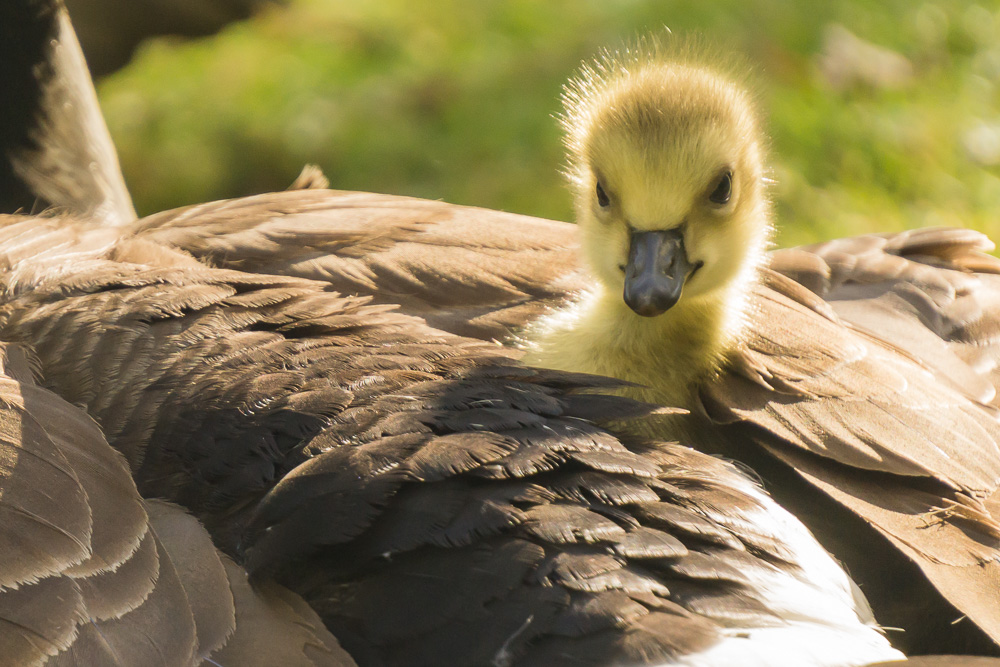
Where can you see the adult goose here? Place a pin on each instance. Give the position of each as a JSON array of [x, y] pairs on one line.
[[432, 499], [858, 377]]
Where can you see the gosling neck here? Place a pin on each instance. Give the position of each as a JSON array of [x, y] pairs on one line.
[[673, 352], [667, 355]]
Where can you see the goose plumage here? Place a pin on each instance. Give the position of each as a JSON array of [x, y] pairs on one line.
[[92, 574], [434, 500], [939, 347]]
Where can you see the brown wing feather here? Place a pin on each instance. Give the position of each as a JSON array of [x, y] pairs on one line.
[[465, 270], [933, 293], [855, 399], [869, 373], [89, 579]]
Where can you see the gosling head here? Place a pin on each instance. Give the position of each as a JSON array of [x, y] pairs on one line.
[[666, 162]]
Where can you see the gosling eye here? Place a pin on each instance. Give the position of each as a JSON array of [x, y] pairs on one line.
[[724, 190], [602, 197]]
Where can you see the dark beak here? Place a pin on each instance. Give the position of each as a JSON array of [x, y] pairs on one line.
[[657, 269]]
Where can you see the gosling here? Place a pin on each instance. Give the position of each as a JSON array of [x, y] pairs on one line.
[[666, 163]]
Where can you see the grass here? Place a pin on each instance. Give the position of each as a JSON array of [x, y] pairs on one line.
[[455, 100]]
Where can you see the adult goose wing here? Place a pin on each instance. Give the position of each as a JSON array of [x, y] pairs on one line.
[[469, 271], [93, 575], [869, 394], [933, 293], [55, 145], [433, 500]]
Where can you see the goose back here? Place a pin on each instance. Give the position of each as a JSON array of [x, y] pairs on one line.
[[469, 271]]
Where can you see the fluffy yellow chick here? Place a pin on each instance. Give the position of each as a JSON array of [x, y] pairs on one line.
[[666, 162]]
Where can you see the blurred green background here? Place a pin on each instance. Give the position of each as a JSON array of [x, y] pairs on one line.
[[883, 115]]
